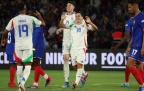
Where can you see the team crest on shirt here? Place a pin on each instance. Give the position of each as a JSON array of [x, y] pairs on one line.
[[134, 22], [82, 26], [75, 26]]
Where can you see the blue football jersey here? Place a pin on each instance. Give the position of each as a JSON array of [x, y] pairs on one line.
[[38, 37], [10, 42], [137, 31]]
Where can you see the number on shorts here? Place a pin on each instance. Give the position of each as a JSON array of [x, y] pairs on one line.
[[9, 38], [23, 28], [134, 52]]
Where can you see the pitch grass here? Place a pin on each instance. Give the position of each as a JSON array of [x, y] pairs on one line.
[[97, 81]]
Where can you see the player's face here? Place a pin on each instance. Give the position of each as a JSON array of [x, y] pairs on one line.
[[79, 18], [131, 8], [69, 7]]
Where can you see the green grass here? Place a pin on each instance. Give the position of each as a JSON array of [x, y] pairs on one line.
[[97, 81]]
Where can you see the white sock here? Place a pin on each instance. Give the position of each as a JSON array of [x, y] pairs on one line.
[[19, 73], [45, 76], [66, 71], [26, 74], [83, 73], [78, 75]]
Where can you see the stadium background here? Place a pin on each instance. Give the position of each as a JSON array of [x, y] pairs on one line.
[[108, 15]]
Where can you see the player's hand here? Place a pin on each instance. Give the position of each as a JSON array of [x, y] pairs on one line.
[[88, 20], [113, 49], [3, 42], [142, 51], [58, 31], [37, 13], [127, 51], [63, 16]]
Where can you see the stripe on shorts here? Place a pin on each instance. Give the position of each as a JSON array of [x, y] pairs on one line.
[[28, 59]]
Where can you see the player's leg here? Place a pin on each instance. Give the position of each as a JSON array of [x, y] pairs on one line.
[[36, 74], [139, 66], [78, 74], [84, 74], [79, 57], [12, 71], [135, 54], [127, 76], [40, 71], [66, 65], [18, 56], [27, 60]]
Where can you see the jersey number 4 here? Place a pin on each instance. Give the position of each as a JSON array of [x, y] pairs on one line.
[[23, 28]]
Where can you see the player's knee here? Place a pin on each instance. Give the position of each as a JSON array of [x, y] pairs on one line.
[[13, 65], [66, 58], [75, 67], [130, 63], [36, 62], [79, 66]]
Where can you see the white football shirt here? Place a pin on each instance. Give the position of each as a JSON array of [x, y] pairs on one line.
[[23, 29], [70, 19], [79, 35]]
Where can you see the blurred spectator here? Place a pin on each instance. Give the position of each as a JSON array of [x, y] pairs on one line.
[[106, 14]]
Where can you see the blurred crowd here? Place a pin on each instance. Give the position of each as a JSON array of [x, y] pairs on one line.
[[108, 15]]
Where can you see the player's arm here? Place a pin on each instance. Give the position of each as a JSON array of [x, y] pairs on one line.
[[128, 47], [5, 32], [37, 22], [123, 40], [59, 30], [141, 23], [62, 20], [94, 27]]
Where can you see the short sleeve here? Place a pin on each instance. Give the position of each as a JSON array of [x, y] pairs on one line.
[[10, 25], [36, 22], [127, 26], [89, 27], [142, 21]]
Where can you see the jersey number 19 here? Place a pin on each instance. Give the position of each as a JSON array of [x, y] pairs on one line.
[[23, 28]]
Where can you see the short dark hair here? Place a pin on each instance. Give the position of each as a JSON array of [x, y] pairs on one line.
[[80, 13], [71, 2], [133, 2], [21, 6]]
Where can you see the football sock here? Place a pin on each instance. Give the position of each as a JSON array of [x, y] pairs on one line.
[[66, 71], [12, 72], [19, 74], [78, 75], [36, 74], [127, 74], [41, 71], [137, 75], [83, 73], [142, 74], [26, 74]]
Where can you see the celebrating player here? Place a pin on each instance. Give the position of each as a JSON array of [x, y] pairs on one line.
[[78, 44], [136, 45], [38, 45], [69, 19], [10, 55], [23, 27], [128, 30]]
